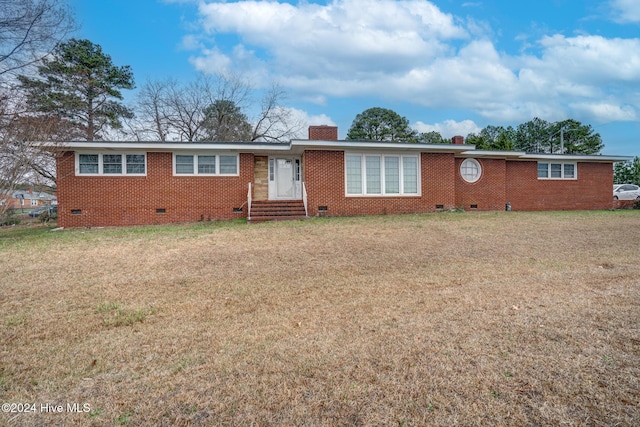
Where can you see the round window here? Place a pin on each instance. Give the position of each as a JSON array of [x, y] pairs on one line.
[[470, 170]]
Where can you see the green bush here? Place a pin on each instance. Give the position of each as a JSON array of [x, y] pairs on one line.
[[636, 205], [9, 218], [46, 216]]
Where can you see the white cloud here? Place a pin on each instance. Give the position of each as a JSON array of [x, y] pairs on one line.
[[449, 128], [343, 37], [411, 51], [592, 59], [605, 111], [212, 61], [626, 11], [304, 120]]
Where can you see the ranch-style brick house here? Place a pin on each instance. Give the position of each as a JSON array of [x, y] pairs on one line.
[[132, 183]]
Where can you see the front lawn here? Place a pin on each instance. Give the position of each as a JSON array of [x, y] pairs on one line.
[[497, 318]]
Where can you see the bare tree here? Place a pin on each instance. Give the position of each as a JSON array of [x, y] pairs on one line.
[[29, 30], [275, 123], [152, 109], [27, 145], [191, 112]]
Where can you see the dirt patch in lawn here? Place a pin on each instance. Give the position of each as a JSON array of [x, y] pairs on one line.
[[441, 319]]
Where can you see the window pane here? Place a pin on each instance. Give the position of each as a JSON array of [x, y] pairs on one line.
[[206, 164], [470, 170], [184, 164], [354, 175], [88, 163], [410, 175], [135, 163], [392, 175], [569, 171], [556, 170], [373, 175], [543, 170], [229, 165], [112, 163]]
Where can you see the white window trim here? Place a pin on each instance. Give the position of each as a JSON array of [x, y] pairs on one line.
[[100, 154], [382, 174], [195, 163], [562, 177], [477, 164]]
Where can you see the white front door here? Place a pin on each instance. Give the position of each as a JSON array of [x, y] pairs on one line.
[[284, 178]]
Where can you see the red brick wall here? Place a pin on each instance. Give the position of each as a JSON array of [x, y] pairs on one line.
[[323, 132], [122, 200], [324, 179], [489, 192], [592, 189]]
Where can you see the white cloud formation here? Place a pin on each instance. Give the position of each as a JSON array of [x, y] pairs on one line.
[[343, 37], [411, 51], [305, 120], [626, 11], [612, 111], [449, 128]]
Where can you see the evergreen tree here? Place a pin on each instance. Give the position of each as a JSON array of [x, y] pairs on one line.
[[224, 121], [80, 83], [627, 172], [381, 124]]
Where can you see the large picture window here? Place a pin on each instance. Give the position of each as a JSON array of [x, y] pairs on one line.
[[382, 174], [205, 164], [111, 164], [550, 170]]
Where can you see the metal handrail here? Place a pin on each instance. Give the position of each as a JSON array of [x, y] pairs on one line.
[[249, 203], [304, 199]]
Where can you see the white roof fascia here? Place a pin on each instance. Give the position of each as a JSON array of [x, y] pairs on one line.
[[577, 157], [172, 146], [520, 155], [367, 145], [493, 154]]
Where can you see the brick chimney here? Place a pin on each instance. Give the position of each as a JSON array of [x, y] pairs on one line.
[[323, 132], [457, 140]]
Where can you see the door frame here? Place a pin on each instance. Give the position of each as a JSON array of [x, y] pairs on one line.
[[296, 177]]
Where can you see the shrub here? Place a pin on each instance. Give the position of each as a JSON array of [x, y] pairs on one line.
[[9, 218], [47, 216]]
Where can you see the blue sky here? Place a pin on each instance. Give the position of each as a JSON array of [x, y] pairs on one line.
[[450, 66]]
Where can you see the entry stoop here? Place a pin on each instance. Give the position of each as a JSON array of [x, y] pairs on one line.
[[277, 210]]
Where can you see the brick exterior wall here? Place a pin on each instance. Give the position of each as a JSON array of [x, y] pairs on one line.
[[592, 189], [122, 200], [325, 181], [489, 192], [323, 133]]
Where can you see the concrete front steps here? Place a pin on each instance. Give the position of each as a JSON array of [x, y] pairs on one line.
[[276, 210]]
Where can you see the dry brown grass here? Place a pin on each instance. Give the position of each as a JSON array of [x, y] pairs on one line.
[[440, 319]]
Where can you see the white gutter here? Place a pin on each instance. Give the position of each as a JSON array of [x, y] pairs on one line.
[[386, 145], [171, 146], [577, 157], [297, 145]]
